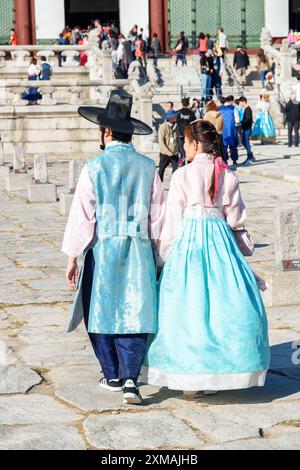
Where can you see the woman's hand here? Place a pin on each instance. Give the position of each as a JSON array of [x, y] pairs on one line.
[[72, 273]]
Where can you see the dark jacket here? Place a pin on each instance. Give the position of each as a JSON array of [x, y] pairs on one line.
[[292, 111], [247, 119], [241, 60], [185, 117], [46, 71], [128, 57], [207, 65]]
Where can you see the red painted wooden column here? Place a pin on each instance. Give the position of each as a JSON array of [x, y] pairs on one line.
[[157, 22], [24, 21]]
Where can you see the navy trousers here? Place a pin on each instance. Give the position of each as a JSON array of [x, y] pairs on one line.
[[246, 142], [120, 356]]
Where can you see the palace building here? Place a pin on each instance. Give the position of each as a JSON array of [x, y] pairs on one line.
[[40, 21]]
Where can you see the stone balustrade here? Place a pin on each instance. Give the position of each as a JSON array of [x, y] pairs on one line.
[[74, 92]]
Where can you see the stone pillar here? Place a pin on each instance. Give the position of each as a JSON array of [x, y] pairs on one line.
[[107, 66], [286, 61], [287, 238], [41, 190], [24, 21], [157, 23]]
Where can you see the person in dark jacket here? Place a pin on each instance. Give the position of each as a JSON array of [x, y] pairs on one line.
[[247, 123], [292, 113], [185, 117], [46, 69], [241, 62]]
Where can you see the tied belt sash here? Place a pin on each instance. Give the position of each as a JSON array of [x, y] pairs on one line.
[[132, 229], [197, 211]]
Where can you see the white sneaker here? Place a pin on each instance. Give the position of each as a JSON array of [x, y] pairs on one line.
[[131, 392], [114, 385]]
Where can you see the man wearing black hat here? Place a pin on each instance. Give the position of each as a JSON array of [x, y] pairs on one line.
[[118, 193], [185, 117]]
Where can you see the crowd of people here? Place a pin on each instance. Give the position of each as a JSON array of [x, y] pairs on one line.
[[233, 121]]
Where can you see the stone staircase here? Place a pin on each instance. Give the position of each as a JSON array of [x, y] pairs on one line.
[[173, 82]]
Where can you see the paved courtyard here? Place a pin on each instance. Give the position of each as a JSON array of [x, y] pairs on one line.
[[49, 394]]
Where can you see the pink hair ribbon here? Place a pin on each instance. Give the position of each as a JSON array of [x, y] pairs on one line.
[[220, 167]]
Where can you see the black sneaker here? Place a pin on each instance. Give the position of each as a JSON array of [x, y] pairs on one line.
[[131, 392], [111, 385]]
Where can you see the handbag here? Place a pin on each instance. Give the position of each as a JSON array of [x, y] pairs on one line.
[[244, 241]]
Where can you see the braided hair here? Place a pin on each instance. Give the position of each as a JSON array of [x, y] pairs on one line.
[[205, 132]]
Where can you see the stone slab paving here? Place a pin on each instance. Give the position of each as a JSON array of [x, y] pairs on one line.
[[49, 393], [104, 432], [42, 437]]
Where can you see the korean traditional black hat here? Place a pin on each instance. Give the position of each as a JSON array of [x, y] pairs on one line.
[[117, 115]]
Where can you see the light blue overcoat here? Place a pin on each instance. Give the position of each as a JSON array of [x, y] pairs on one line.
[[124, 295]]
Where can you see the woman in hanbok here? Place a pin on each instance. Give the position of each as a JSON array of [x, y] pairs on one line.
[[212, 326], [264, 129], [32, 95]]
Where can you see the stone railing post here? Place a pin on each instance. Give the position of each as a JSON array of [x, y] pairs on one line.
[[20, 58], [46, 53], [107, 65], [75, 94], [71, 58], [2, 58], [47, 96]]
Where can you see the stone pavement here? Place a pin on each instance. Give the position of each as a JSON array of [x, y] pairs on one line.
[[49, 397]]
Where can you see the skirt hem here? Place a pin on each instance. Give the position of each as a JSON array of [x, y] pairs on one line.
[[202, 382]]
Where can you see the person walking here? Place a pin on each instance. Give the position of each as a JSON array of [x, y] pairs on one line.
[[263, 66], [203, 48], [207, 70], [214, 116], [13, 41], [185, 117], [168, 138], [212, 324], [32, 95], [230, 139], [196, 108], [241, 63], [216, 78], [247, 123], [46, 69], [155, 47], [140, 51], [181, 48], [264, 129], [292, 114], [116, 287], [222, 41], [210, 43]]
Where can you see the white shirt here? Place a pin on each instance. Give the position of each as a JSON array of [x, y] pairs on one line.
[[33, 70], [223, 40]]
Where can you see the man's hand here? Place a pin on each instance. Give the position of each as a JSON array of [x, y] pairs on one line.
[[72, 273]]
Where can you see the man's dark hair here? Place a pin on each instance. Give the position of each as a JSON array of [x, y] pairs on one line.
[[243, 99], [121, 137], [171, 103], [229, 99], [185, 101], [43, 58], [237, 101], [222, 100]]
